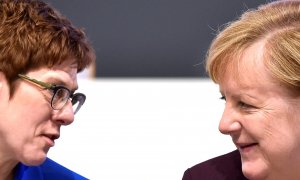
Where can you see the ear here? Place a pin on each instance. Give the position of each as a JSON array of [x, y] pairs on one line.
[[4, 87]]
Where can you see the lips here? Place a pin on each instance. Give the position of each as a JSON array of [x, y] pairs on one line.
[[246, 147], [242, 146], [50, 138]]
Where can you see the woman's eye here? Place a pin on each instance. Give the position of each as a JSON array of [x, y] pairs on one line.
[[244, 105]]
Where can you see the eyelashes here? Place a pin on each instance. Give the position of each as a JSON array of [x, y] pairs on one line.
[[240, 104], [223, 98]]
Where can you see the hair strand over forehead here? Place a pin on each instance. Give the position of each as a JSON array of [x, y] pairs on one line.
[[278, 25]]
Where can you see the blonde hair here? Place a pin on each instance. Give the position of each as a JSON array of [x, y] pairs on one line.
[[278, 25]]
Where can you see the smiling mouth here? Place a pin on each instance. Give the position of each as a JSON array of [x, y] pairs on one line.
[[246, 147]]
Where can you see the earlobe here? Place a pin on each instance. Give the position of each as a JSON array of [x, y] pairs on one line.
[[3, 83], [1, 79]]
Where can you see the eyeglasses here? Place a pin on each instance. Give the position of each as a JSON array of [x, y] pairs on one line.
[[60, 96]]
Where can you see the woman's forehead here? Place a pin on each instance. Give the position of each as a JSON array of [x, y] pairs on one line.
[[248, 65]]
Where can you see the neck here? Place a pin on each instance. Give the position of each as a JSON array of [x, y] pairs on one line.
[[7, 168], [8, 177]]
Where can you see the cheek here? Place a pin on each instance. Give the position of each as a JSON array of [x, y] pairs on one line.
[[281, 132], [28, 109], [258, 125], [33, 100], [276, 128], [27, 120]]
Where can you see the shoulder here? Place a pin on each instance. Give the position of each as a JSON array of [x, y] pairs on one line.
[[48, 170], [55, 170], [225, 167]]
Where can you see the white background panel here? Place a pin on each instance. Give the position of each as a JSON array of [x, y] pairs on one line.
[[143, 129]]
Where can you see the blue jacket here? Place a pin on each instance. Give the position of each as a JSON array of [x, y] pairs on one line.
[[49, 170]]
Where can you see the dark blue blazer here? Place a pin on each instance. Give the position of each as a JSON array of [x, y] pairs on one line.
[[225, 167], [49, 170]]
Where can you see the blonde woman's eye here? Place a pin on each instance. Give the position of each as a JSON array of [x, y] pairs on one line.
[[244, 105]]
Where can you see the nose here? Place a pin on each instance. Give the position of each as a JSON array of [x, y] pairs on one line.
[[65, 116], [230, 121]]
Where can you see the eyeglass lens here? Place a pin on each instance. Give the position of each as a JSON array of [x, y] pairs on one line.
[[77, 101], [61, 97]]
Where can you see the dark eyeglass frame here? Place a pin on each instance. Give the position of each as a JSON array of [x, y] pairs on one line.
[[75, 98]]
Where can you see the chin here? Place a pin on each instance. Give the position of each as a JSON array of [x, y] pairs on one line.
[[34, 160], [254, 172]]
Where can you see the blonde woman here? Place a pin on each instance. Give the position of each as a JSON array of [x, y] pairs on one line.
[[255, 61]]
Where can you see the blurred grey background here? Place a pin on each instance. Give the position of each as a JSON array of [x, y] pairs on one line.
[[151, 38]]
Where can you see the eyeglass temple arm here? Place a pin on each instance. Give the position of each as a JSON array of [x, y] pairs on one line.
[[46, 85]]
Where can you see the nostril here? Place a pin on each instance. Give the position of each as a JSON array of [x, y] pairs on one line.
[[67, 120], [228, 127], [65, 116], [235, 126]]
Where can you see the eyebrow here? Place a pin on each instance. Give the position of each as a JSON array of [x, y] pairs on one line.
[[55, 81], [58, 81]]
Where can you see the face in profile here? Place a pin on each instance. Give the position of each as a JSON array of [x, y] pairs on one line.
[[262, 117], [31, 125]]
